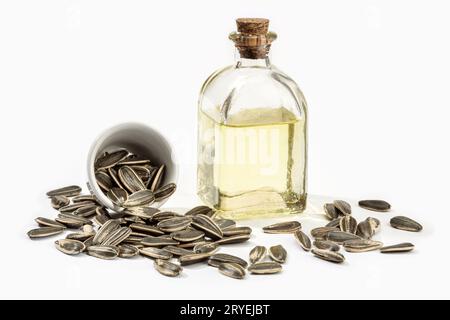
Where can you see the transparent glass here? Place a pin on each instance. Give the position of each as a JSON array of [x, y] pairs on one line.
[[252, 141]]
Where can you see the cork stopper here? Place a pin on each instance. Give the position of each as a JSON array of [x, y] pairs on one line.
[[253, 38], [256, 26]]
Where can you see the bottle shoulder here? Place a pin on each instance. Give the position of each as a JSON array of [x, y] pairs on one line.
[[232, 89]]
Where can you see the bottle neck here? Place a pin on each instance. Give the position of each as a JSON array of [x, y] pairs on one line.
[[262, 62]]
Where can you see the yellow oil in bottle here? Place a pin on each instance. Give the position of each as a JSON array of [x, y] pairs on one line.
[[254, 164]]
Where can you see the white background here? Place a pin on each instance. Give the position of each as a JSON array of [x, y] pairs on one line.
[[375, 75]]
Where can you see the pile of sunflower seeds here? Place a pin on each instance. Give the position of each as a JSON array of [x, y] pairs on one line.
[[174, 240], [129, 181], [344, 230]]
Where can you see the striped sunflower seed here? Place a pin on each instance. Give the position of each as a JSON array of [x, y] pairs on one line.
[[303, 240], [207, 225], [233, 239], [234, 231], [44, 222], [348, 224], [375, 205], [340, 236], [143, 228], [278, 253], [73, 207], [365, 229], [111, 159], [343, 207], [80, 236], [361, 245], [174, 224], [207, 211], [103, 252], [187, 235], [130, 179], [116, 237], [326, 245], [128, 251], [167, 268], [157, 179], [140, 198], [401, 247], [43, 232], [193, 258], [165, 192], [206, 248], [164, 215], [177, 251], [265, 268], [58, 202], [104, 232], [335, 223], [142, 212], [115, 177], [328, 255], [283, 227], [330, 211], [320, 233], [69, 191], [158, 242], [86, 211], [104, 181], [219, 258], [84, 198], [118, 196], [225, 223], [405, 224], [232, 270], [70, 247], [257, 254]]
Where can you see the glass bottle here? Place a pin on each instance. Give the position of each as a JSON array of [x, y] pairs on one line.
[[252, 133]]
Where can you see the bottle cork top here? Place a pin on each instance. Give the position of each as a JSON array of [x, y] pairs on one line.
[[256, 26]]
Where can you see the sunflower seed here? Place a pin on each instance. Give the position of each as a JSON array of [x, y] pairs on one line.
[[177, 251], [193, 258], [348, 224], [115, 177], [232, 270], [401, 247], [321, 232], [157, 178], [73, 207], [130, 179], [43, 232], [265, 268], [326, 245], [233, 239], [158, 242], [164, 215], [149, 230], [103, 252], [111, 159], [342, 207], [207, 225], [174, 224], [405, 224], [303, 240], [278, 254], [375, 205], [44, 222], [140, 198], [225, 223], [365, 229], [219, 258], [283, 227], [72, 221], [257, 254], [330, 211], [116, 237], [340, 236], [165, 191], [142, 212], [141, 171], [118, 196], [101, 219], [88, 242], [130, 162], [167, 268], [59, 201], [127, 251], [104, 181], [334, 223], [84, 198], [70, 247], [187, 235], [328, 255], [361, 245], [206, 248], [104, 232], [207, 211], [80, 236], [133, 240], [234, 231], [86, 211], [69, 191]]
